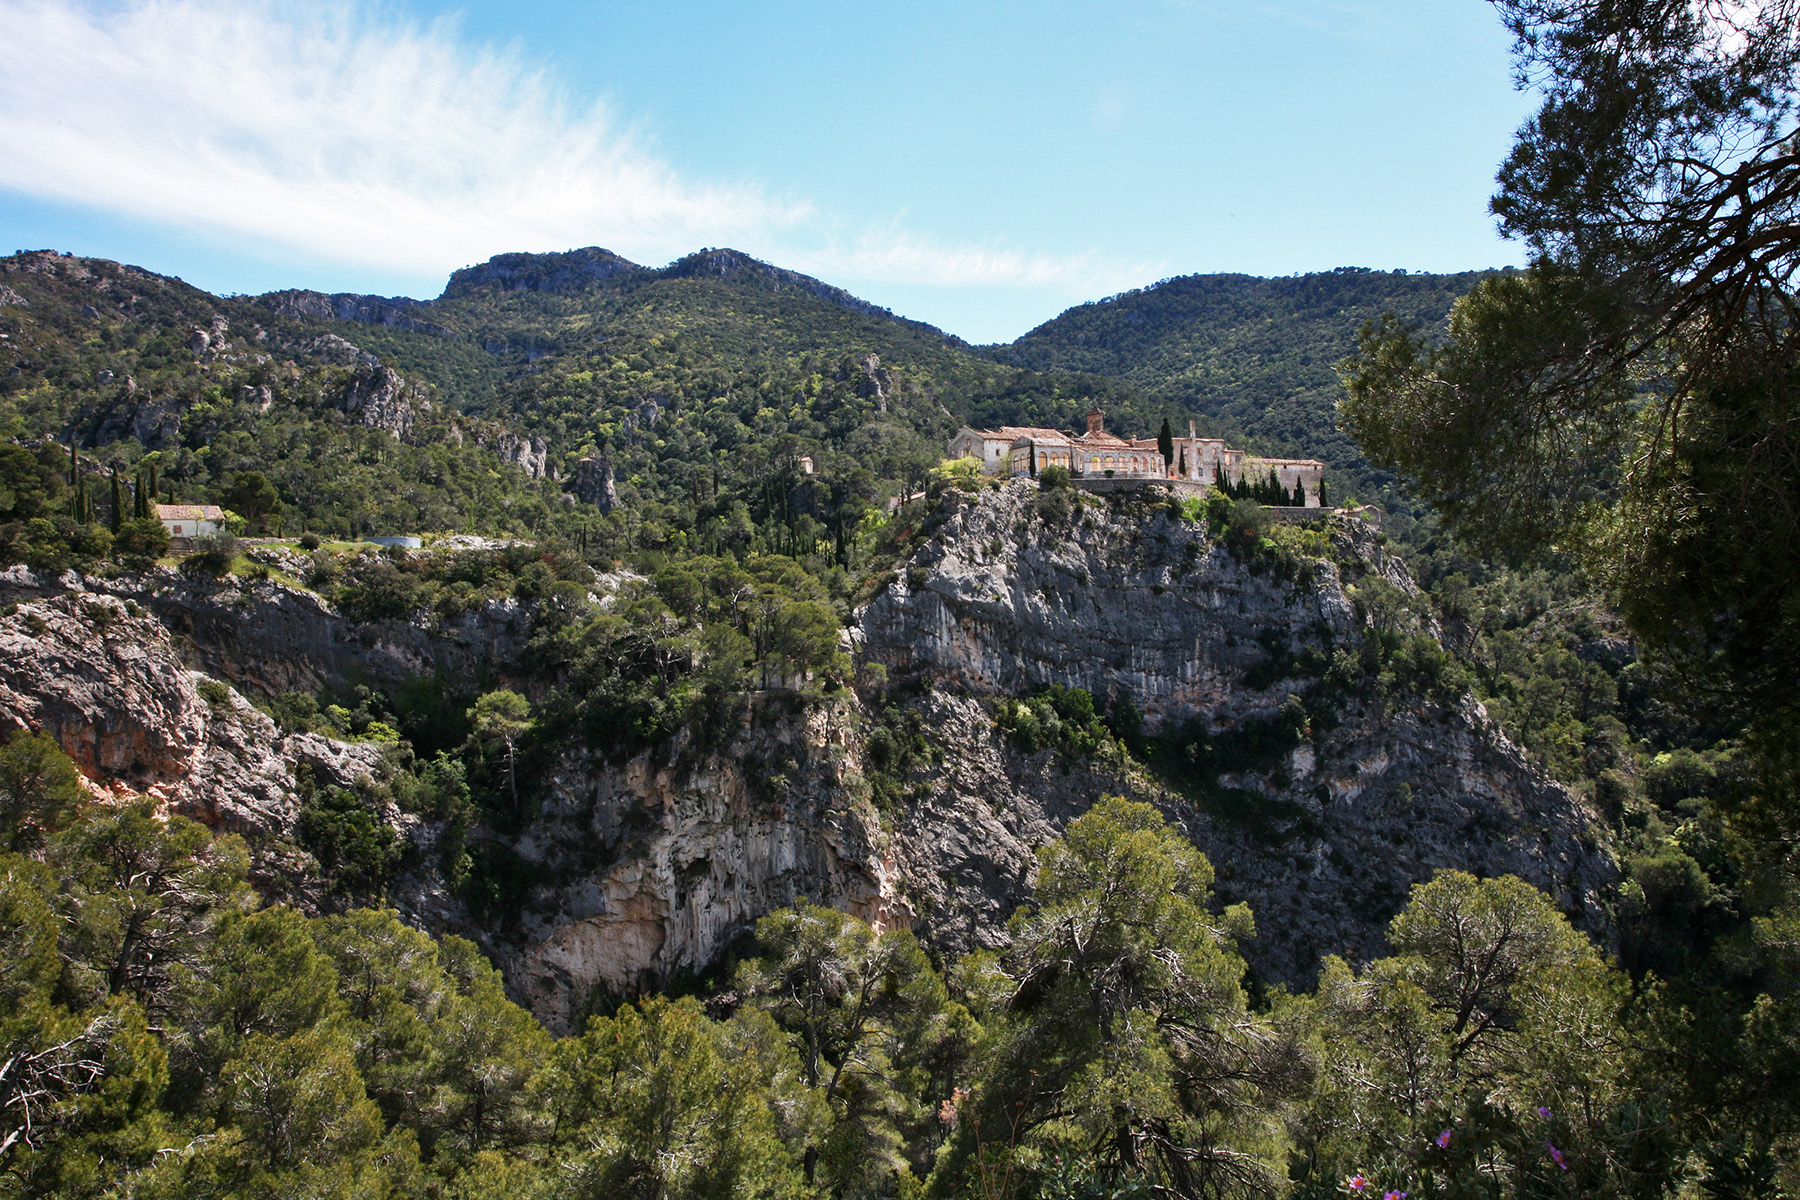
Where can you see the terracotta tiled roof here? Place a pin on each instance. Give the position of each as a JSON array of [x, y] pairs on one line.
[[189, 512], [1015, 432], [1103, 439]]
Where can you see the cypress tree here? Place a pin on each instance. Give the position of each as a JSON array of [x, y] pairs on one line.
[[1165, 443], [118, 501], [1183, 469]]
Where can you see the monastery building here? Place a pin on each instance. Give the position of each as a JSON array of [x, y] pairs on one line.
[[1021, 450]]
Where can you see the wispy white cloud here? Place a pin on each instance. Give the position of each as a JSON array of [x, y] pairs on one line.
[[349, 133], [891, 254], [358, 138]]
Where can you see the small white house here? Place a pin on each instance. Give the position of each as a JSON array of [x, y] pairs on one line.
[[191, 520]]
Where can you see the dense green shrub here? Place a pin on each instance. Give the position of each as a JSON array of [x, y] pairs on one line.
[[1059, 718], [355, 847]]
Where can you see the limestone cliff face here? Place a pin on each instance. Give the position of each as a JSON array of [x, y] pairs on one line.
[[394, 312], [1125, 601], [593, 484], [106, 679], [637, 869], [530, 454], [648, 867], [632, 871], [270, 638]]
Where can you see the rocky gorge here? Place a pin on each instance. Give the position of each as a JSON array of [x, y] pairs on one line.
[[631, 870]]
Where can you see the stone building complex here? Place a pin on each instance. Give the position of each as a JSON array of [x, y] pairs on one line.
[[1097, 454]]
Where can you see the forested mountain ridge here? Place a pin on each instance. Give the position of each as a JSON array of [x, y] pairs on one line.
[[522, 307], [138, 370], [696, 387], [1256, 356]]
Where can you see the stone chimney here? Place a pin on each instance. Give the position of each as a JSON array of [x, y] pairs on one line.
[[1096, 422]]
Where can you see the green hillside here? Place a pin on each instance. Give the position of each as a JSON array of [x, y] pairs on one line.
[[1256, 356], [698, 388], [138, 370]]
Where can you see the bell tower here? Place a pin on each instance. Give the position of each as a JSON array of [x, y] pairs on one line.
[[1096, 422]]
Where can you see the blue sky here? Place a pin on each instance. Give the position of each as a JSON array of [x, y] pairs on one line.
[[981, 166]]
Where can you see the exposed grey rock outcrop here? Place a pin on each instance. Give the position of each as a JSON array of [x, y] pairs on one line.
[[106, 680], [877, 381], [155, 421], [530, 454], [330, 348], [382, 398], [211, 340], [645, 868], [1127, 602], [593, 483], [563, 274], [392, 312], [270, 638]]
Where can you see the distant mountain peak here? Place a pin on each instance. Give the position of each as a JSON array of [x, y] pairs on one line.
[[565, 273], [726, 263]]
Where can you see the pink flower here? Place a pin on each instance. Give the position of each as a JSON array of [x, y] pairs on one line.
[[1557, 1155], [1393, 1196], [1543, 1112], [1443, 1139], [1357, 1183]]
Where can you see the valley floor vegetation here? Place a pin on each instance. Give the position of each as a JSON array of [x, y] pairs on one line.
[[162, 1033]]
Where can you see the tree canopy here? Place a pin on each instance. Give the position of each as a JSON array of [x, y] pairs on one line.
[[1629, 401]]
